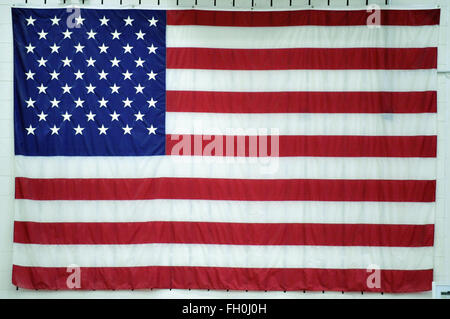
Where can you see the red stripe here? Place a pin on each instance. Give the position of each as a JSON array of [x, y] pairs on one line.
[[301, 58], [226, 189], [223, 234], [292, 145], [302, 17], [223, 278], [301, 102]]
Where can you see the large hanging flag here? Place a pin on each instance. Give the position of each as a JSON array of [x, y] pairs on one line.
[[277, 150]]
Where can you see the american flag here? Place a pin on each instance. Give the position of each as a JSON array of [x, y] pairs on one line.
[[272, 150]]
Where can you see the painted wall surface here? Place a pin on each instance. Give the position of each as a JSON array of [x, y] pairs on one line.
[[442, 234]]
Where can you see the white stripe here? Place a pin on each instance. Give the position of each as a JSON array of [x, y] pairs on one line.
[[226, 167], [301, 124], [301, 80], [302, 36], [222, 256], [225, 211]]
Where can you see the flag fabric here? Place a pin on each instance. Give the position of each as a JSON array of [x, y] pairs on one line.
[[272, 150]]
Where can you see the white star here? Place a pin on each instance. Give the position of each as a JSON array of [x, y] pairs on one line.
[[30, 75], [104, 21], [66, 89], [103, 48], [55, 48], [115, 34], [30, 20], [90, 62], [54, 130], [128, 48], [42, 34], [55, 20], [30, 48], [79, 20], [140, 35], [114, 62], [114, 116], [152, 21], [55, 102], [30, 102], [128, 21], [30, 130], [114, 88], [66, 61], [42, 116], [66, 116], [42, 62], [42, 88], [102, 130], [152, 75], [78, 75], [127, 103], [139, 116], [152, 103], [152, 49], [127, 75], [90, 88], [103, 75], [151, 130], [139, 88], [127, 130], [90, 116], [79, 103], [79, 47], [139, 62], [67, 34], [54, 75], [91, 34], [103, 102], [78, 130]]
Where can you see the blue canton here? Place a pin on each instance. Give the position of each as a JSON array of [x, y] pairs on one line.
[[89, 82]]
